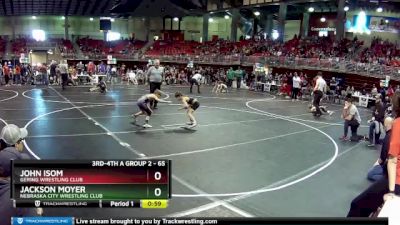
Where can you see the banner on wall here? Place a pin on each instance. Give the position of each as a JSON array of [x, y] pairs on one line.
[[260, 68], [384, 24], [366, 23], [111, 60]]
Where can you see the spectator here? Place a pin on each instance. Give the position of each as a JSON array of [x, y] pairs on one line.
[[53, 75], [80, 68], [374, 90], [333, 83], [230, 75], [379, 169], [17, 75], [296, 86], [102, 68], [239, 75], [2, 81], [369, 200], [376, 123], [12, 137], [352, 119], [394, 151], [6, 74], [390, 92]]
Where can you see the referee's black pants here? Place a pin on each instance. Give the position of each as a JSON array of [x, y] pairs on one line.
[[64, 80], [317, 100], [154, 86], [194, 82]]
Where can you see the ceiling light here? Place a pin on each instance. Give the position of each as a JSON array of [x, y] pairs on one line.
[[323, 19], [346, 8], [91, 19], [112, 19], [379, 9], [311, 9], [34, 17], [226, 17], [63, 17], [176, 19], [210, 20], [257, 13]]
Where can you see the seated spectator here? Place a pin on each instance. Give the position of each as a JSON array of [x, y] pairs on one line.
[[132, 78], [12, 137], [374, 90], [352, 119], [376, 122], [379, 169]]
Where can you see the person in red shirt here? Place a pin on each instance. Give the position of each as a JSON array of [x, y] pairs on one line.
[[6, 72], [17, 75], [394, 151], [390, 92]]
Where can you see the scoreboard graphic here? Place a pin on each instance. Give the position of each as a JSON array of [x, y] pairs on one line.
[[91, 183]]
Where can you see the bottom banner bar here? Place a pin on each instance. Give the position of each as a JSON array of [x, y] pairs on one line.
[[197, 221]]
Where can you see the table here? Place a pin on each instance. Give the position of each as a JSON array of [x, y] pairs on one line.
[[391, 210], [365, 101], [266, 87], [94, 79]]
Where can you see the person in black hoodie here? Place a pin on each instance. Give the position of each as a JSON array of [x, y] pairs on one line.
[[376, 123], [372, 198], [12, 137]]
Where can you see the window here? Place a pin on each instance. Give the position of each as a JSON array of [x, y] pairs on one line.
[[113, 36], [39, 35]]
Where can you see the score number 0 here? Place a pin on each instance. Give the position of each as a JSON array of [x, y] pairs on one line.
[[157, 191]]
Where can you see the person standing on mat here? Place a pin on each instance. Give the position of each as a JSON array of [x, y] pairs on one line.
[[296, 87], [196, 80], [143, 104], [155, 75], [319, 90], [190, 104], [230, 75], [63, 68], [239, 75]]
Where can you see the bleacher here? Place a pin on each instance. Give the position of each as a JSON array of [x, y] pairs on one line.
[[172, 48], [93, 48]]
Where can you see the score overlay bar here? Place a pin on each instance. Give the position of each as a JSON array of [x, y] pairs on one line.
[[90, 183]]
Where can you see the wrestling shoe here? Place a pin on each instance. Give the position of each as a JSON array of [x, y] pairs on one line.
[[134, 118], [146, 125], [192, 126], [189, 123], [344, 138]]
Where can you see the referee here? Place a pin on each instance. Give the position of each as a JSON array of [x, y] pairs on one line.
[[155, 75], [319, 90]]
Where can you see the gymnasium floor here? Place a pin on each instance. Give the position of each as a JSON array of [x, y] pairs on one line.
[[265, 156]]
